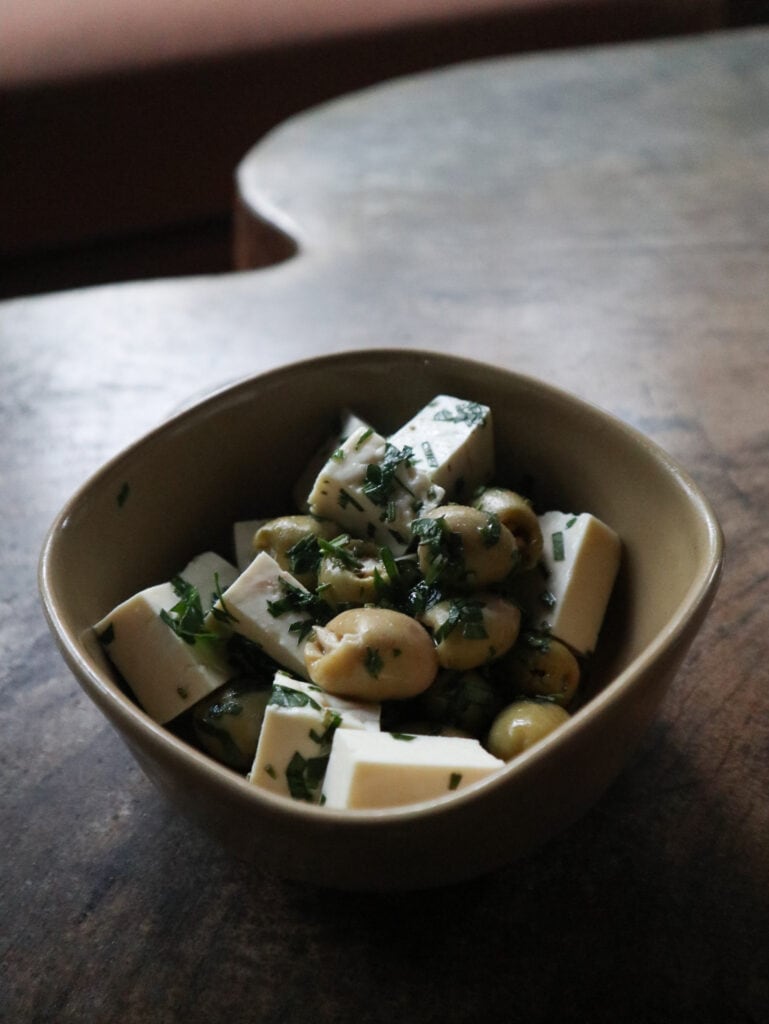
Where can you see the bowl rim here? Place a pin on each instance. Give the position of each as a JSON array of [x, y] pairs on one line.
[[166, 746]]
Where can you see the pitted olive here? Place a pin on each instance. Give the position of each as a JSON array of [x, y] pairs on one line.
[[539, 665], [515, 513], [348, 573], [372, 654], [469, 632], [228, 721], [464, 547], [292, 542], [521, 725]]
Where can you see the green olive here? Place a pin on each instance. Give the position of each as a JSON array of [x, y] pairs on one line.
[[469, 548], [286, 540], [371, 654], [349, 576], [521, 725], [465, 701], [516, 513], [469, 632], [541, 666], [228, 721]]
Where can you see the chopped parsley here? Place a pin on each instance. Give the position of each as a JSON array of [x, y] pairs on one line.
[[287, 697], [337, 550], [186, 618], [444, 550], [427, 448], [346, 499], [454, 779], [491, 530], [305, 602], [558, 548], [471, 413], [467, 615], [405, 736], [122, 495], [381, 478], [304, 775], [304, 556], [219, 609], [373, 662]]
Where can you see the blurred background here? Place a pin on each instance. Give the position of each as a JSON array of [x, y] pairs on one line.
[[121, 123]]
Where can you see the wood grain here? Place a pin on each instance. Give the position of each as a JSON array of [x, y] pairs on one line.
[[600, 219]]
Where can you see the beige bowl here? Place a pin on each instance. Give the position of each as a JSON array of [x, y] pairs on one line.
[[237, 454]]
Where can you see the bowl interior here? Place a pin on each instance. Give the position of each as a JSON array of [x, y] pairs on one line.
[[238, 454]]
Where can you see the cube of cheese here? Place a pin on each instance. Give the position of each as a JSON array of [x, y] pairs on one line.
[[300, 722], [166, 673], [453, 442], [568, 594], [251, 608], [370, 770], [204, 570], [350, 423], [372, 494]]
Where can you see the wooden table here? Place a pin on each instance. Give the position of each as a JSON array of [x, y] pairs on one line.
[[597, 218]]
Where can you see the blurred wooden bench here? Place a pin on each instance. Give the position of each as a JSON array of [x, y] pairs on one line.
[[129, 117]]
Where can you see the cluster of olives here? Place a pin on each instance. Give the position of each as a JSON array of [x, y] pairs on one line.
[[433, 635]]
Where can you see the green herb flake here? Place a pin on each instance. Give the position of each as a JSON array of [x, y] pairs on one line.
[[381, 479], [471, 413], [467, 615], [390, 566], [454, 779], [558, 546], [571, 522], [287, 697], [405, 736], [432, 461], [186, 618], [304, 556], [219, 608], [346, 499], [363, 438], [491, 531], [304, 775], [338, 551], [122, 494], [373, 662], [548, 599], [271, 771]]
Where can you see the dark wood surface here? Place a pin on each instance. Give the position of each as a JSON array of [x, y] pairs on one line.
[[600, 219]]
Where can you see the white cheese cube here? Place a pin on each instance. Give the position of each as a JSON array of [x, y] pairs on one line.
[[202, 573], [242, 540], [369, 770], [246, 609], [299, 724], [385, 517], [453, 443], [350, 423], [167, 674], [568, 594]]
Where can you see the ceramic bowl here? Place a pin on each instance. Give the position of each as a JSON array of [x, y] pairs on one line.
[[237, 454]]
